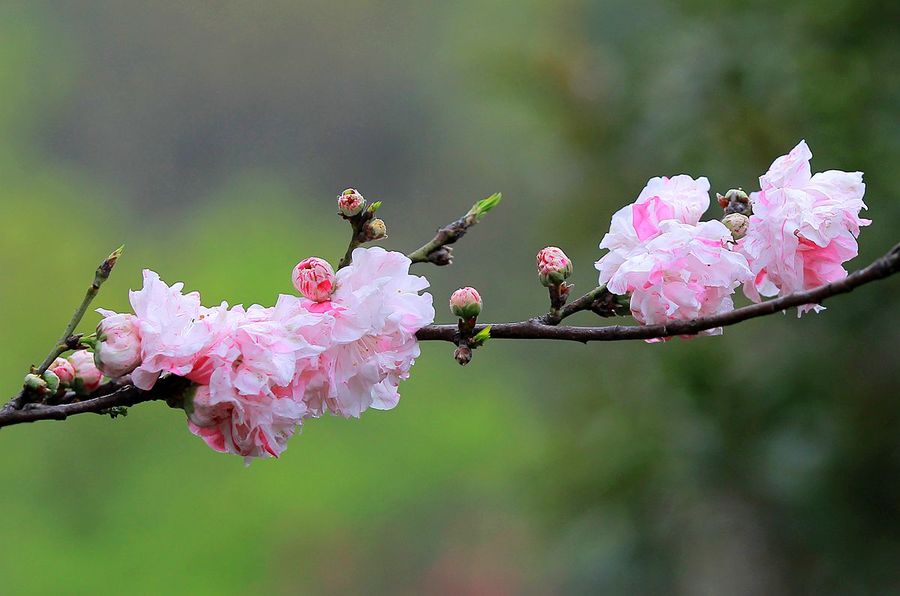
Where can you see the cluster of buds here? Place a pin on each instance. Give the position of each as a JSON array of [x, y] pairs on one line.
[[314, 279], [366, 227], [738, 210], [353, 206], [78, 372]]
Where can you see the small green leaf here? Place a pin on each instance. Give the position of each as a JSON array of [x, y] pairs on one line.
[[374, 206], [482, 336], [481, 208]]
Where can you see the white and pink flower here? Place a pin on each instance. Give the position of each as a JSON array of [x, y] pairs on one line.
[[679, 198], [261, 371], [374, 316], [803, 228], [684, 272], [119, 344]]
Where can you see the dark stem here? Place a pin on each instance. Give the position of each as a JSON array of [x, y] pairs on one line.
[[170, 389], [357, 224]]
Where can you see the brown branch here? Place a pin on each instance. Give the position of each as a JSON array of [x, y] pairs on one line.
[[172, 389], [169, 389], [538, 328], [437, 250]]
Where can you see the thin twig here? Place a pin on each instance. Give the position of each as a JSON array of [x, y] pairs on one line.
[[100, 276], [437, 250]]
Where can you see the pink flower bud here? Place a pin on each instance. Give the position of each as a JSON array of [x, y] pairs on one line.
[[87, 375], [314, 278], [351, 203], [64, 370], [465, 303], [553, 266], [119, 347]]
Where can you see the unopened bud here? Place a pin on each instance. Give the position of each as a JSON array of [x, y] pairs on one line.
[[737, 223], [375, 230], [463, 355], [465, 303], [553, 266], [351, 203], [107, 265], [63, 370], [52, 381], [35, 383], [735, 201], [119, 345], [87, 376], [314, 278]]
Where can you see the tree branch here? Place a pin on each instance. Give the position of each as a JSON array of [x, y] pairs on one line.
[[539, 328], [170, 389], [437, 250]]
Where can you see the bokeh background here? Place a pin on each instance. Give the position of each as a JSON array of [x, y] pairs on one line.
[[212, 137]]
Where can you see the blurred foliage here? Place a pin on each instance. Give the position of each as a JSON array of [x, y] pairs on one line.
[[211, 139]]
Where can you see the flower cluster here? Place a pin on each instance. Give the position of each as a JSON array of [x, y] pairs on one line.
[[802, 229], [342, 347]]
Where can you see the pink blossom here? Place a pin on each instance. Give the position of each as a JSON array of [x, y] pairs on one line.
[[679, 198], [251, 425], [553, 266], [803, 227], [87, 375], [63, 369], [247, 403], [260, 371], [686, 271], [175, 330], [373, 315], [466, 303], [314, 278], [119, 348]]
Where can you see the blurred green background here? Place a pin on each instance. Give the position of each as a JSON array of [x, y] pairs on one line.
[[212, 138]]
